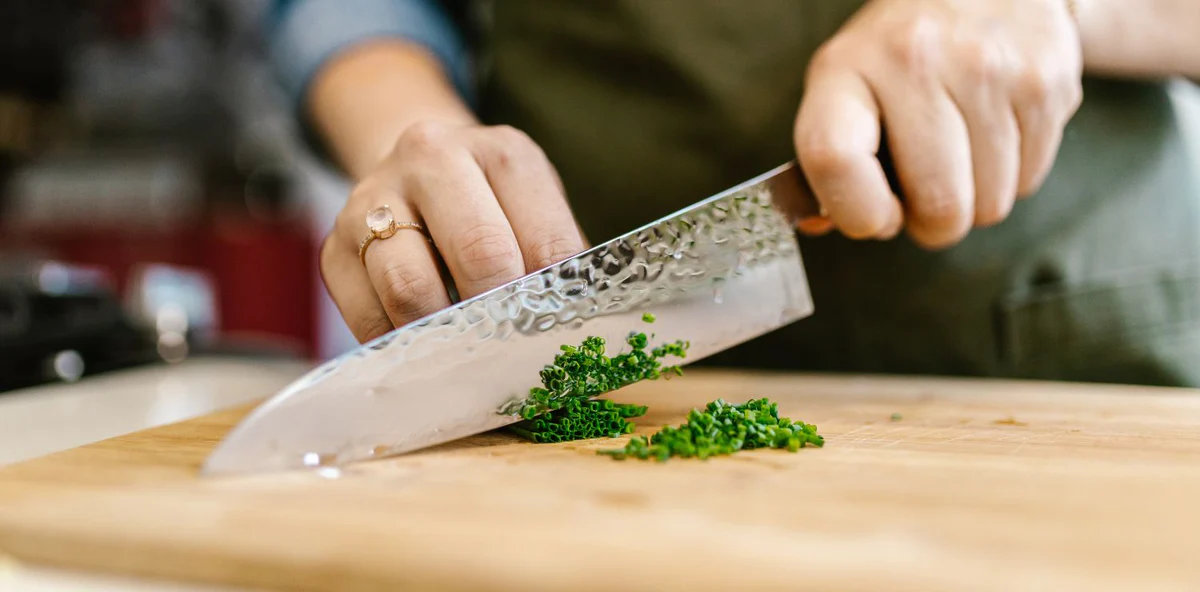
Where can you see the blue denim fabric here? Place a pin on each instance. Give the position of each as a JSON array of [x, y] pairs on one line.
[[304, 34]]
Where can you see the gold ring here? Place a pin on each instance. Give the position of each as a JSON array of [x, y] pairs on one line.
[[382, 224]]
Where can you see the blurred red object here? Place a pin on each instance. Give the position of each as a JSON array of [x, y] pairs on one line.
[[121, 210], [263, 273]]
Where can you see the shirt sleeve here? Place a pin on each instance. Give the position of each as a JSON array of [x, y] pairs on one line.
[[304, 34]]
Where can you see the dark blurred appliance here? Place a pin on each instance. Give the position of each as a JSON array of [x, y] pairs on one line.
[[60, 322]]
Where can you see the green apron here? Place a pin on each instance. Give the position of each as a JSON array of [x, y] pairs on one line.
[[646, 106]]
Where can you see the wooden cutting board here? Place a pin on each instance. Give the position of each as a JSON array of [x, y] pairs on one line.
[[981, 485]]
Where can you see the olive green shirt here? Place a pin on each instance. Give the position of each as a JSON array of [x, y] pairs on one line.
[[646, 106]]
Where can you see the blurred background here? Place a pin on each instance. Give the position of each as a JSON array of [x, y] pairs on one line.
[[156, 201]]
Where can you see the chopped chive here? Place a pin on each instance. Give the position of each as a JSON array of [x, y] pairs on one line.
[[563, 405], [722, 429]]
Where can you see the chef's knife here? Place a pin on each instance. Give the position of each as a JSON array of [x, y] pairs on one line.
[[718, 273]]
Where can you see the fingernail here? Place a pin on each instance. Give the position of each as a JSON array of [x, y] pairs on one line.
[[815, 226]]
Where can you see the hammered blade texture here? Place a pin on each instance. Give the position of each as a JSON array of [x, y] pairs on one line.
[[718, 273], [698, 251]]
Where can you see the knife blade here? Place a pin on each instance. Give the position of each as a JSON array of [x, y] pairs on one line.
[[717, 273]]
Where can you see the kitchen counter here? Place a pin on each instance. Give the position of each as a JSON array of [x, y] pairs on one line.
[[41, 420]]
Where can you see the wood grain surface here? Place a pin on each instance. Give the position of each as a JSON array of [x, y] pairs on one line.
[[981, 485]]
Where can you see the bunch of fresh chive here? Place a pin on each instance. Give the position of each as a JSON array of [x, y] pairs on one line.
[[723, 428], [580, 420], [586, 371]]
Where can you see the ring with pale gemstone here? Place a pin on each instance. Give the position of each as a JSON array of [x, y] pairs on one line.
[[381, 224]]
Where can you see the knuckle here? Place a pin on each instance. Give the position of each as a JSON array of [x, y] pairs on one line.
[[427, 138], [983, 61], [550, 251], [511, 136], [408, 290], [914, 45], [511, 146], [1039, 85], [488, 252], [821, 156]]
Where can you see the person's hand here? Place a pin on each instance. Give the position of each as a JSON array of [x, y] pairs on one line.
[[973, 96], [491, 202]]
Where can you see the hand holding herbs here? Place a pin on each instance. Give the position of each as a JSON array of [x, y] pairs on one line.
[[561, 410]]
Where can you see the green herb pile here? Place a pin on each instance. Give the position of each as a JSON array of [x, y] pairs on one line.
[[585, 371], [580, 420], [562, 409], [723, 428]]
